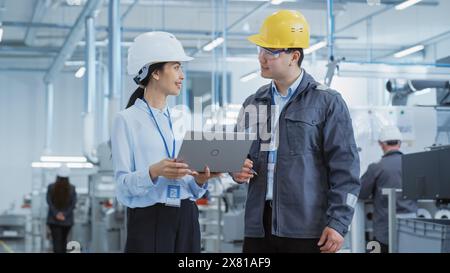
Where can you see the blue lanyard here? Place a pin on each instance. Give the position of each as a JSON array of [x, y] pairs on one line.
[[160, 132]]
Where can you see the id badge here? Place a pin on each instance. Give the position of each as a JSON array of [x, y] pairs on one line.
[[173, 196]]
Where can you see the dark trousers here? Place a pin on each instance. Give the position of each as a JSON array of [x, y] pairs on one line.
[[59, 237], [274, 244], [160, 228]]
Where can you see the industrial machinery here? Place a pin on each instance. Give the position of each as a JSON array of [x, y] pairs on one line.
[[221, 216], [12, 232], [401, 89], [107, 216], [233, 219]]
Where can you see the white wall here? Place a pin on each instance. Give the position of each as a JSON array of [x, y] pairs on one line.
[[443, 49], [22, 128]]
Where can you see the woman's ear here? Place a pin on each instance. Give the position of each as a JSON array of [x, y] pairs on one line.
[[155, 75]]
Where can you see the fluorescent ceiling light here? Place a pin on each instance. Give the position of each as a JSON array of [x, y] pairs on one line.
[[213, 44], [409, 51], [373, 2], [126, 44], [45, 165], [276, 2], [63, 159], [74, 2], [80, 165], [74, 63], [80, 72], [249, 76], [57, 165], [1, 33], [315, 47], [406, 4]]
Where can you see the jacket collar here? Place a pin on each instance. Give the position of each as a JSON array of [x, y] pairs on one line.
[[264, 93], [393, 152]]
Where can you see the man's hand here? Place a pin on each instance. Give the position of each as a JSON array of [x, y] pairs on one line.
[[202, 177], [330, 241], [169, 168], [245, 174]]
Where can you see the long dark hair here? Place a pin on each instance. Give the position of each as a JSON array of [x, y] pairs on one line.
[[61, 193], [139, 92]]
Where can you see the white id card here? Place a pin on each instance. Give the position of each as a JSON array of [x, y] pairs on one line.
[[173, 196]]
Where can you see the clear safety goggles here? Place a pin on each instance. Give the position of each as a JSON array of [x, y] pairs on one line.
[[271, 53]]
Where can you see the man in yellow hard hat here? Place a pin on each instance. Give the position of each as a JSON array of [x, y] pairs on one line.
[[306, 185]]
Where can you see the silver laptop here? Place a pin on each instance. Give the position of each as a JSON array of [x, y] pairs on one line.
[[220, 151]]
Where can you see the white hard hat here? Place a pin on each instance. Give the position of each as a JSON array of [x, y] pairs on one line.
[[63, 171], [154, 47], [390, 132]]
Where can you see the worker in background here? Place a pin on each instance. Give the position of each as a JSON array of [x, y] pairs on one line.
[[304, 186], [159, 192], [387, 173], [61, 200]]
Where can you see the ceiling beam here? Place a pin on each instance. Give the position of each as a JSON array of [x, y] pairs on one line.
[[39, 12], [75, 35]]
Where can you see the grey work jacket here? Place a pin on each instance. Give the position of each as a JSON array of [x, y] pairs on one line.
[[316, 177], [387, 173]]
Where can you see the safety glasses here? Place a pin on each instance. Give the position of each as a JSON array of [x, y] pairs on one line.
[[271, 54]]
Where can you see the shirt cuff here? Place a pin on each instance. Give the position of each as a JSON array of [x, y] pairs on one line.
[[239, 182], [202, 187], [338, 226], [146, 179]]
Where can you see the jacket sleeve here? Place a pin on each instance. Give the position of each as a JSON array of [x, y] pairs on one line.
[[368, 182], [342, 161], [242, 126], [130, 182]]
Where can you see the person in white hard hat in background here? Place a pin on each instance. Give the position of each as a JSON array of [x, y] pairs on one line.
[[159, 192], [307, 184], [387, 173], [61, 200]]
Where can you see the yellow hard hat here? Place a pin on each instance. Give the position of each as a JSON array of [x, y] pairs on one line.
[[283, 29]]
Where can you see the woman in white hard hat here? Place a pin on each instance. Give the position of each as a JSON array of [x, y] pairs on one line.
[[61, 200], [159, 192]]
